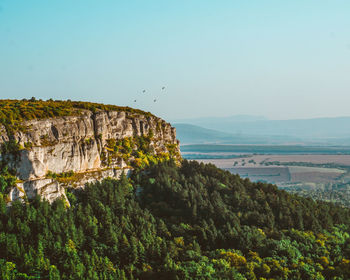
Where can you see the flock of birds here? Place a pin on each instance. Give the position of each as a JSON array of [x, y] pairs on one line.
[[155, 99]]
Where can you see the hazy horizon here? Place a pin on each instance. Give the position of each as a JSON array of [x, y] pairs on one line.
[[282, 60], [262, 118]]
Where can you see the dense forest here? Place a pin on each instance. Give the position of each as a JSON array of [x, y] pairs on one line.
[[192, 221]]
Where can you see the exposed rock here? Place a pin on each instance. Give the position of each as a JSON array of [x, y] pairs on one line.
[[76, 143]]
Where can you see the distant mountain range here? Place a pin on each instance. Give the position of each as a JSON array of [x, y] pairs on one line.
[[235, 119], [259, 130], [193, 134]]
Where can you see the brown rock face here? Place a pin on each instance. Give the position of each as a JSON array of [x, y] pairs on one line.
[[76, 143]]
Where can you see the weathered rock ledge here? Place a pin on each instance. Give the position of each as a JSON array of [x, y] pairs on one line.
[[80, 144]]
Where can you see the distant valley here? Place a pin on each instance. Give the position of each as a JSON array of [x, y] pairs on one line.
[[309, 157]]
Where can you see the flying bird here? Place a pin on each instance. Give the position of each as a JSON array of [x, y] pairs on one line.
[[155, 100], [163, 88], [135, 100], [144, 91]]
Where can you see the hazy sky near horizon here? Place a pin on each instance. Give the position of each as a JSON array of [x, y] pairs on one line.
[[279, 59]]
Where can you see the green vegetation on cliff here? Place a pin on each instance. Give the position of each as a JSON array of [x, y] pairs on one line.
[[138, 151], [13, 112], [168, 222]]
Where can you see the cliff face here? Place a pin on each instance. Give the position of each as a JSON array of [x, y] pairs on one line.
[[73, 150]]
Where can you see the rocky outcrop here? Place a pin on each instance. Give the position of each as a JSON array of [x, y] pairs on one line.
[[79, 144]]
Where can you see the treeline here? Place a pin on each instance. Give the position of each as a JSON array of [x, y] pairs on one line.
[[168, 222], [307, 164]]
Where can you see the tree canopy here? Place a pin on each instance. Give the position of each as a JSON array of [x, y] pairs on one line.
[[192, 221]]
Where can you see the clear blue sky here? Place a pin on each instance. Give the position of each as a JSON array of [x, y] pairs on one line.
[[280, 59]]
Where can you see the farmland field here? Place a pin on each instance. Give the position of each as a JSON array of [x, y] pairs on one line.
[[279, 174], [267, 174], [250, 160], [302, 168]]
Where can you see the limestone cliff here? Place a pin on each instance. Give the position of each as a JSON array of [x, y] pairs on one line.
[[72, 150]]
